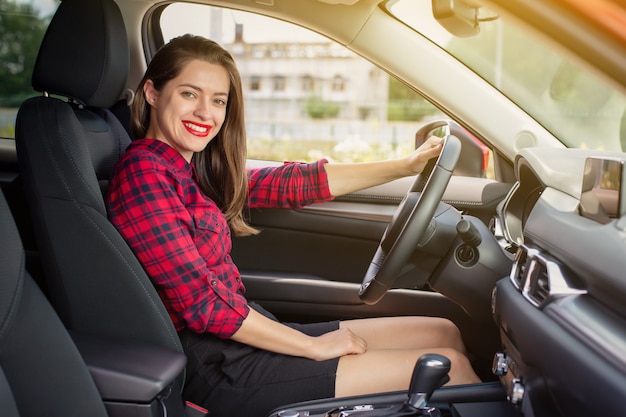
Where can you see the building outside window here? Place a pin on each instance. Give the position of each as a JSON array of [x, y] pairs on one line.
[[255, 83], [339, 83], [307, 83], [279, 83]]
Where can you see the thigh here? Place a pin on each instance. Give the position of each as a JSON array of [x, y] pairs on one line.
[[391, 370], [375, 371], [410, 332]]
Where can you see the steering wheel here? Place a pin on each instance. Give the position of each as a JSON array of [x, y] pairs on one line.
[[409, 223]]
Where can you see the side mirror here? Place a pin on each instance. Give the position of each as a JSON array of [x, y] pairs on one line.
[[474, 159]]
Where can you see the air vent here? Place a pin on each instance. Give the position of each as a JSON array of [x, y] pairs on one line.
[[542, 286], [538, 285], [543, 278], [520, 265]]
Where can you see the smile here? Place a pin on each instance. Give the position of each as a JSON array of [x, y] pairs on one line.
[[197, 129]]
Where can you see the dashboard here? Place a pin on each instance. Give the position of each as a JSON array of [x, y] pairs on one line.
[[536, 170], [560, 313]]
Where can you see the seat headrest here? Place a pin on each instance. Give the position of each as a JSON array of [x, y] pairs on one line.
[[84, 54]]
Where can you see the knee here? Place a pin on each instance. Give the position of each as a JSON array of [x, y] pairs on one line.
[[456, 357], [461, 371], [450, 334]]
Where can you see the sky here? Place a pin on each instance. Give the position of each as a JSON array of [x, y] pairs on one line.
[[195, 18]]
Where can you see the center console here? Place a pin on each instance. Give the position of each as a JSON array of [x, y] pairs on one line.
[[424, 397]]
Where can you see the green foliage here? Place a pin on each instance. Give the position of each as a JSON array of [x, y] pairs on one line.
[[407, 105], [317, 108], [7, 131], [22, 30], [410, 110]]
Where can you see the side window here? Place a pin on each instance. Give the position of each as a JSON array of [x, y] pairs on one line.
[[307, 97], [22, 24]]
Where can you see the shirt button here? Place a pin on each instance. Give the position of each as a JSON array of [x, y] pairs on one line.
[[213, 282]]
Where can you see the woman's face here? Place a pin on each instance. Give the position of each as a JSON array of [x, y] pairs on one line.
[[190, 109]]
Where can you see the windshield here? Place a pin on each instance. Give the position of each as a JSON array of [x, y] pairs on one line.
[[579, 108]]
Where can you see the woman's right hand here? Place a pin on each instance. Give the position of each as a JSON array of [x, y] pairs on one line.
[[335, 344], [264, 333]]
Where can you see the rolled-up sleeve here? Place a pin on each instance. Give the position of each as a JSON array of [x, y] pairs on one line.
[[292, 185]]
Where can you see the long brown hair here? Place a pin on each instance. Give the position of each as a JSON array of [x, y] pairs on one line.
[[221, 166]]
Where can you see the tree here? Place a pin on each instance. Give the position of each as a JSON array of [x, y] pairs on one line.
[[22, 30], [407, 105], [317, 108]]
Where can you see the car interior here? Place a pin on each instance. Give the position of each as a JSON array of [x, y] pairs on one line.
[[33, 380], [538, 294]]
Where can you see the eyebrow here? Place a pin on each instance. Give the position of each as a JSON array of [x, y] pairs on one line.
[[195, 87]]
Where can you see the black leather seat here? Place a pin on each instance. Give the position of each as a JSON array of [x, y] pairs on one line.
[[66, 149], [41, 371], [67, 144]]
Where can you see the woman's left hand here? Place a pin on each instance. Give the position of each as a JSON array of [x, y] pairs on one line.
[[427, 150]]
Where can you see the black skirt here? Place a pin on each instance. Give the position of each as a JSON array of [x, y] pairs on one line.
[[231, 379]]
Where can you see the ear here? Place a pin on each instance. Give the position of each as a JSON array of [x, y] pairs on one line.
[[151, 93]]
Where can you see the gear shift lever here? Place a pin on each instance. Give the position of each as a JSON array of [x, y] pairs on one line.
[[431, 372]]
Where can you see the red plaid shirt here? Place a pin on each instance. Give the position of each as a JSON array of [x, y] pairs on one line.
[[182, 238]]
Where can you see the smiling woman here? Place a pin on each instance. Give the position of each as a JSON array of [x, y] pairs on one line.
[[176, 195], [198, 92]]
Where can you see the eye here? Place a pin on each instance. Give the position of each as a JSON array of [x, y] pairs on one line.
[[220, 101], [188, 94]]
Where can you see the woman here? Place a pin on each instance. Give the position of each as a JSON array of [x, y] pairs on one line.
[[177, 195]]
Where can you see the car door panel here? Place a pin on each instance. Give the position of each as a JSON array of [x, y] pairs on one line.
[[317, 256], [306, 299]]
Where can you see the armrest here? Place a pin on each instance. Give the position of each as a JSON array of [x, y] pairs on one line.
[[129, 371]]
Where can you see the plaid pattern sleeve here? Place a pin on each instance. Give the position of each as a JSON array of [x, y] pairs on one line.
[[292, 185], [181, 239]]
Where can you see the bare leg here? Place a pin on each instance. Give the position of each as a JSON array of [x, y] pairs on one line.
[[394, 345], [407, 332], [390, 370]]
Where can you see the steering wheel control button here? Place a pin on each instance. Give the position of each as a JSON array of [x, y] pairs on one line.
[[500, 364]]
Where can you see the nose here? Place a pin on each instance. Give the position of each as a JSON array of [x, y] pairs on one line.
[[203, 109]]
